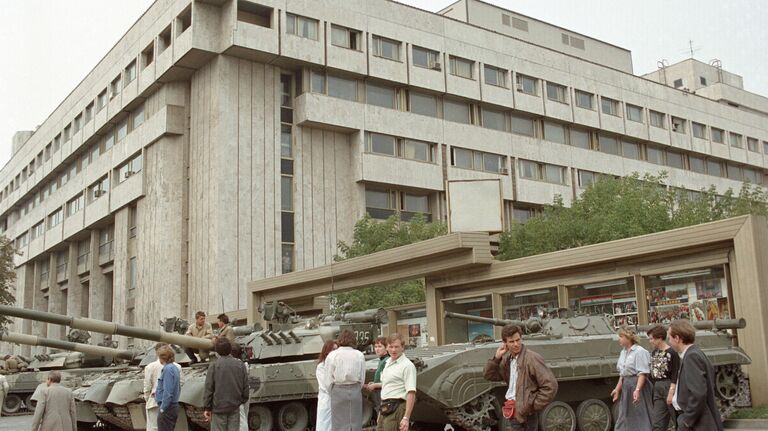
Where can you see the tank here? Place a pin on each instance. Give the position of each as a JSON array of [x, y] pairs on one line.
[[77, 363], [580, 350], [282, 353]]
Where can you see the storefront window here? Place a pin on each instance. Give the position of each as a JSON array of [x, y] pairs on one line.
[[613, 297], [460, 330], [700, 294], [534, 303], [412, 324]]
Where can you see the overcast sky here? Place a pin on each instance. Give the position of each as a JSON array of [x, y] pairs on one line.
[[49, 46]]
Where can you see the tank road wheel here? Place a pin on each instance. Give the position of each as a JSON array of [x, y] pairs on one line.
[[593, 415], [12, 404], [557, 416], [728, 387], [30, 403], [479, 414], [259, 418], [292, 416]]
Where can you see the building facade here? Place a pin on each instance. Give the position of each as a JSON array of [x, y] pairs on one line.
[[225, 141]]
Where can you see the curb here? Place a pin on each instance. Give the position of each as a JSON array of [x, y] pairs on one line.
[[754, 424]]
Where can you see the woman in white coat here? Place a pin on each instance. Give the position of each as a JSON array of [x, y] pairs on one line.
[[323, 422]]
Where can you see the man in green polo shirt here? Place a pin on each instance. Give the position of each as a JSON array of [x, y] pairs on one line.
[[398, 388]]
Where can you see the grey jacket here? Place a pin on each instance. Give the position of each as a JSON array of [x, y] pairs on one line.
[[695, 393], [55, 411], [226, 385]]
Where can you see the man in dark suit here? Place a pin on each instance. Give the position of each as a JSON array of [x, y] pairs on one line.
[[694, 397]]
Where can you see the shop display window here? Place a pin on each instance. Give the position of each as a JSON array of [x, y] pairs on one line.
[[412, 324], [460, 330], [524, 305], [700, 294], [611, 297]]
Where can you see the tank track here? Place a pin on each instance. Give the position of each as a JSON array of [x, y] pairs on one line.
[[195, 415], [731, 389], [119, 418], [478, 415]]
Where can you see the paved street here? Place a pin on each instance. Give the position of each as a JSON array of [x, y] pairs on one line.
[[23, 423]]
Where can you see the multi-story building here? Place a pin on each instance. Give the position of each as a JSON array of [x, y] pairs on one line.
[[225, 141]]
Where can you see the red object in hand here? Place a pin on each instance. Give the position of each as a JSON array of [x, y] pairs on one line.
[[508, 410]]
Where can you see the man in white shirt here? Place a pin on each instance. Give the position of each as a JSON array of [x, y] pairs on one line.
[[398, 388], [151, 374], [345, 377]]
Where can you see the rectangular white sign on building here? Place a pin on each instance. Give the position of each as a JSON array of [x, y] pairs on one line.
[[475, 206]]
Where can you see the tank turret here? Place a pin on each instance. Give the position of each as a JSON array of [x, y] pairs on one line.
[[98, 354]]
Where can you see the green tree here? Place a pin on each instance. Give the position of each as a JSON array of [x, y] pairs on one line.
[[616, 208], [7, 275], [370, 236]]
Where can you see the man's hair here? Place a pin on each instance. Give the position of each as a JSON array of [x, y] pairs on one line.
[[224, 318], [657, 332], [396, 337], [199, 314], [223, 347], [684, 330], [159, 346], [381, 340], [54, 376], [508, 331], [347, 339], [166, 354], [236, 352]]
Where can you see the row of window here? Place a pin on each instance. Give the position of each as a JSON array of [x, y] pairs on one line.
[[96, 190], [114, 136], [496, 76], [463, 112], [126, 76]]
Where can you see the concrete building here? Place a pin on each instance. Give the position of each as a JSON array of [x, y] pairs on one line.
[[225, 141]]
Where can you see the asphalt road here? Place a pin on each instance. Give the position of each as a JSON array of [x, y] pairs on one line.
[[24, 423]]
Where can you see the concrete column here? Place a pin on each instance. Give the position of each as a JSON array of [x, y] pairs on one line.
[[434, 314], [75, 292], [97, 285], [25, 295], [498, 313], [56, 298], [562, 296], [391, 323], [642, 301]]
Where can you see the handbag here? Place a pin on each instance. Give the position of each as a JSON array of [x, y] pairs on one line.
[[508, 409], [389, 406]]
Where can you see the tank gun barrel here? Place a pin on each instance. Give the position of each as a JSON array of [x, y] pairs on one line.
[[33, 340], [489, 320], [105, 327], [373, 315], [710, 325]]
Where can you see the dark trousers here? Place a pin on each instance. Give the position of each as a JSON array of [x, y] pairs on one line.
[[166, 420], [662, 412], [532, 424]]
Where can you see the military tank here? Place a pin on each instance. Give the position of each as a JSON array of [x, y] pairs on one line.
[[76, 360], [283, 353], [580, 350]]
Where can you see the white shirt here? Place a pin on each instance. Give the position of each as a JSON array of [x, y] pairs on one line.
[[345, 366], [511, 390], [677, 384], [151, 374], [398, 378]]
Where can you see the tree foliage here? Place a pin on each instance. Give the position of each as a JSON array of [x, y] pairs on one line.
[[7, 275], [371, 236], [616, 208]]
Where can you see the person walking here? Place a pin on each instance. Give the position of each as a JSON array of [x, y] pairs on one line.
[[151, 375], [531, 384], [374, 387], [632, 391], [345, 378], [225, 331], [55, 410], [201, 329], [168, 390], [398, 388], [665, 364], [226, 389], [4, 388], [323, 422], [694, 397]]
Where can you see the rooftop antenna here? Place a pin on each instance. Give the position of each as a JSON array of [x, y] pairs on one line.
[[691, 49]]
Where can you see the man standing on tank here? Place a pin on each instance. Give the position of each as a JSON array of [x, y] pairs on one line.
[[226, 389], [201, 329], [225, 330], [531, 385]]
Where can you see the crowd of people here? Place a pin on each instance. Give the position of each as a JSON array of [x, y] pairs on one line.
[[672, 385]]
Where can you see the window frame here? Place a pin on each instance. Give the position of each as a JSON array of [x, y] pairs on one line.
[[298, 20], [578, 100], [454, 61], [352, 37], [561, 92], [377, 42]]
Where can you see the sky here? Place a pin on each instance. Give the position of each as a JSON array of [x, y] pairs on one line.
[[49, 46]]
